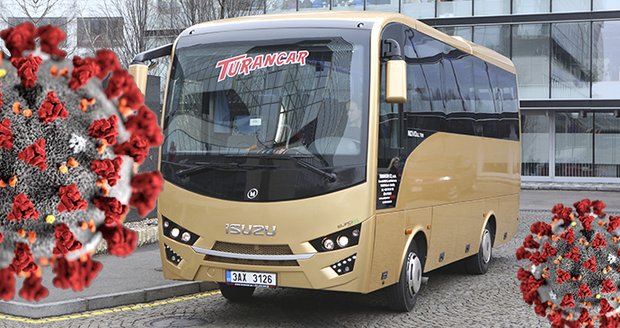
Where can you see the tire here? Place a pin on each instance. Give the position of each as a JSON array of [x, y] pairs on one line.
[[236, 293], [404, 294], [479, 263]]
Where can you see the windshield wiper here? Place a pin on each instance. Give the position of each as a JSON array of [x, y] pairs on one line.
[[330, 176], [201, 166]]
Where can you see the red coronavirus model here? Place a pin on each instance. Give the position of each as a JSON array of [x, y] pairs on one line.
[[69, 153], [573, 273]]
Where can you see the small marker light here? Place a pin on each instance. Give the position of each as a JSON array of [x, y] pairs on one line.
[[356, 233]]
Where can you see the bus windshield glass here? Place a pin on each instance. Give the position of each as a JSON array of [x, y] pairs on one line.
[[286, 116]]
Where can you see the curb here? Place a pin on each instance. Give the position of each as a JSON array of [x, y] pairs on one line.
[[38, 311], [147, 234], [571, 187]]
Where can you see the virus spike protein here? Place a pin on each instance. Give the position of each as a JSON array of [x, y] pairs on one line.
[[573, 270], [61, 188]]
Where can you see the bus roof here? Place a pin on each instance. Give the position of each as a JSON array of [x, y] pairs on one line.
[[339, 19]]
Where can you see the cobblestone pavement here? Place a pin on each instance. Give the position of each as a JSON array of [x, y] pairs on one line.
[[449, 299]]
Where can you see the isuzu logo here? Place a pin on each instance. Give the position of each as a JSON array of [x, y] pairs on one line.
[[250, 229], [252, 193]]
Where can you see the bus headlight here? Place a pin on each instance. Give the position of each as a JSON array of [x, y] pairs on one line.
[[178, 233], [328, 244], [342, 241], [338, 240]]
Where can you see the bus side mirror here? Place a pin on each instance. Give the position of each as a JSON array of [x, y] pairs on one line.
[[139, 73], [396, 81], [139, 70]]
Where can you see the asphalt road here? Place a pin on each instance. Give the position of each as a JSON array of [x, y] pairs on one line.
[[449, 299]]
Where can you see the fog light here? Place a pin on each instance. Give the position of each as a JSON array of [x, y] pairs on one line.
[[172, 256], [344, 266], [186, 236], [342, 241], [328, 244], [175, 232]]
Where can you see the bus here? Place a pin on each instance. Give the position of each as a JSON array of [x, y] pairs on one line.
[[339, 151]]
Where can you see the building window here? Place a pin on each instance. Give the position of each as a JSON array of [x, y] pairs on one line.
[[535, 143], [605, 59], [382, 5], [348, 4], [606, 4], [274, 6], [530, 6], [99, 32], [313, 5], [492, 7], [496, 37], [607, 144], [454, 8], [530, 54], [559, 6], [419, 8], [462, 31], [573, 144], [570, 60]]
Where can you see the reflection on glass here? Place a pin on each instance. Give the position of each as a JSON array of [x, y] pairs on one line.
[[570, 60], [559, 6], [573, 144], [462, 31], [419, 8], [530, 54], [535, 143], [606, 4], [382, 5], [530, 6], [492, 7], [274, 6], [607, 145], [454, 8], [605, 59], [313, 5], [496, 37], [347, 4]]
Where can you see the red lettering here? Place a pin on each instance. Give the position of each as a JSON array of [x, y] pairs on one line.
[[301, 57], [280, 59], [292, 57], [245, 66], [225, 66], [258, 63], [269, 60]]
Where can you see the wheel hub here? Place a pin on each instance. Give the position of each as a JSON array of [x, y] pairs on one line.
[[486, 246], [414, 274]]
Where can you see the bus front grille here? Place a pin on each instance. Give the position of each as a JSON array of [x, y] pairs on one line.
[[250, 262], [252, 249]]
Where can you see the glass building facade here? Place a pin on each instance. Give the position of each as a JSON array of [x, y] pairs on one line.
[[567, 54]]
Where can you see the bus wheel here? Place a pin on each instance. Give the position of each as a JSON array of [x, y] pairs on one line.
[[403, 295], [479, 263], [236, 293]]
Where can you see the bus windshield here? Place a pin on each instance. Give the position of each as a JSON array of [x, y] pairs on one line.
[[286, 117]]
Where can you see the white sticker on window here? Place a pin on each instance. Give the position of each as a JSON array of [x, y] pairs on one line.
[[255, 122]]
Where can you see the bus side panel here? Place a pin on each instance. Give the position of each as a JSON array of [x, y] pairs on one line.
[[507, 219], [456, 231], [390, 240]]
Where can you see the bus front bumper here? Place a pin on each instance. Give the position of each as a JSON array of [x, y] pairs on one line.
[[338, 270]]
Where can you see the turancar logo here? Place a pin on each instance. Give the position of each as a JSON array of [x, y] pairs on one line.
[[242, 64]]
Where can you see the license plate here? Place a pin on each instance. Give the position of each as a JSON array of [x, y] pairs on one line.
[[254, 279]]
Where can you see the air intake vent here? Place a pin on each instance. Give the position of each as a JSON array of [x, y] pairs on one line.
[[250, 262], [252, 249]]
